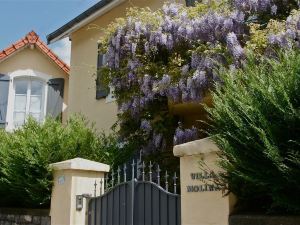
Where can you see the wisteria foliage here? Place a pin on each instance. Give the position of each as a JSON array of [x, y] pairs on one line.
[[174, 56]]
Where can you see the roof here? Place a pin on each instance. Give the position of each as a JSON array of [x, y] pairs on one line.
[[33, 39], [81, 20]]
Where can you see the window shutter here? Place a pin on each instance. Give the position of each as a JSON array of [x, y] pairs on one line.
[[101, 89], [190, 2], [4, 85], [55, 97]]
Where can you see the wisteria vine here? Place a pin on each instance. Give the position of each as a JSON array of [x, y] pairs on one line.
[[174, 57]]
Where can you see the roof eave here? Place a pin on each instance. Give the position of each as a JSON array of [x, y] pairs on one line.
[[32, 39], [74, 25]]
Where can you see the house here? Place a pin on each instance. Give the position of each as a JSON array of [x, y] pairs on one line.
[[33, 82], [84, 31]]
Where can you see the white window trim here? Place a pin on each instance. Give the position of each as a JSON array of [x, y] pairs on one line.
[[110, 97], [11, 92]]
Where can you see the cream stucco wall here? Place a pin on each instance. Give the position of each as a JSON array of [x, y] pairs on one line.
[[83, 66], [63, 200], [71, 178], [201, 205], [35, 60]]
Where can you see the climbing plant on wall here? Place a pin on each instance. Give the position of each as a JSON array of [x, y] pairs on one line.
[[171, 56]]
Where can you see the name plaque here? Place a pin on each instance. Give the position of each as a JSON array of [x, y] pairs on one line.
[[206, 178]]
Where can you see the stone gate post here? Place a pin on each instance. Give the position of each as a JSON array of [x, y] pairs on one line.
[[75, 177], [202, 203]]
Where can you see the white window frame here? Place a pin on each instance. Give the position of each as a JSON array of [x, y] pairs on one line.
[[110, 97], [11, 93]]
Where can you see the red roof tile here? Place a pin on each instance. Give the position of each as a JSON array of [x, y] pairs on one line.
[[9, 50], [19, 44], [52, 56], [2, 55], [33, 39]]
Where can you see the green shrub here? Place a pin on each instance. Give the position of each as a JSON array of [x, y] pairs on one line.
[[25, 155], [256, 124]]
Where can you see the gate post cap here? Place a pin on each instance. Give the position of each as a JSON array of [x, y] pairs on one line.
[[198, 147], [80, 164]]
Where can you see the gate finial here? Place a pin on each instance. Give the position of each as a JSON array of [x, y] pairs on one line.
[[112, 178], [150, 171], [101, 186], [132, 165], [143, 172], [105, 182], [158, 174], [95, 190], [175, 184], [118, 171], [167, 183], [124, 170]]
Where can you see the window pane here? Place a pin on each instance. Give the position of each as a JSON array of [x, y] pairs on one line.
[[19, 118], [21, 86], [20, 102], [36, 87], [36, 116], [35, 104]]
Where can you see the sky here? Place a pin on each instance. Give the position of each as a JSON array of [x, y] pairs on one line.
[[19, 17]]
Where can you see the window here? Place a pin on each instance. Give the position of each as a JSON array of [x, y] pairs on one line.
[[25, 93], [102, 90], [29, 100], [191, 2]]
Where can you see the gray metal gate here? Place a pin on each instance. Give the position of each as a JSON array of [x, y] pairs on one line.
[[136, 202]]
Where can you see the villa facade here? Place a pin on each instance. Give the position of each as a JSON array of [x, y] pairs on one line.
[[84, 31], [34, 82]]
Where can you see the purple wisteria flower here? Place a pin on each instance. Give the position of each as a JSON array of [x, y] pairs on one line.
[[131, 77], [252, 5], [170, 42], [185, 135], [164, 84], [147, 47], [195, 60], [135, 106], [147, 84], [171, 9], [199, 78], [238, 16], [288, 38], [234, 46], [146, 126], [155, 45], [185, 69], [179, 136], [133, 48], [174, 94], [273, 9], [125, 106], [157, 139]]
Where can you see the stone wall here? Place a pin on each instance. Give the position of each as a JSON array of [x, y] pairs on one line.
[[263, 220], [24, 217]]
